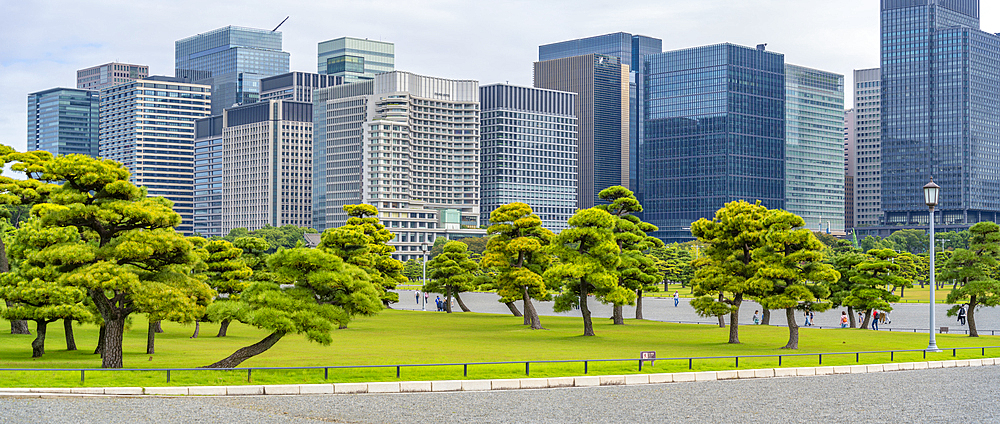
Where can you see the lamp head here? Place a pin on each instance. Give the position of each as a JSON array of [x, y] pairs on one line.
[[931, 193]]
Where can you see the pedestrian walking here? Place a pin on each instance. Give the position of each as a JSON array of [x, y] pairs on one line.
[[756, 317], [812, 318], [961, 315], [861, 317], [875, 320], [677, 299], [807, 319], [417, 295], [437, 301], [844, 319], [426, 297]]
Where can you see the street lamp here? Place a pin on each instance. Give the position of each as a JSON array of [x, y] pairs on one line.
[[931, 193], [423, 249]]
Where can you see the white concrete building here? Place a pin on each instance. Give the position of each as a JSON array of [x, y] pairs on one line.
[[267, 165], [405, 143]]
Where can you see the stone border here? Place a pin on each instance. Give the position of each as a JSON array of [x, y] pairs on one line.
[[487, 385]]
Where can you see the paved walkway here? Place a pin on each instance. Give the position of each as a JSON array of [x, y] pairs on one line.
[[904, 315], [938, 395]]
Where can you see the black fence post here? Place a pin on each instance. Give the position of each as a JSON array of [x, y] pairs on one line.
[[82, 376], [168, 376], [892, 356], [690, 363], [326, 374], [640, 365], [857, 357], [953, 352], [737, 362], [397, 371], [821, 359], [465, 370], [249, 370], [584, 367], [779, 360], [527, 369]]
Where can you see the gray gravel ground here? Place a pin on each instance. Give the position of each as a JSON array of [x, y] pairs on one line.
[[939, 395]]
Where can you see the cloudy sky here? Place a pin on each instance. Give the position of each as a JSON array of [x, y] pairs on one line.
[[44, 42]]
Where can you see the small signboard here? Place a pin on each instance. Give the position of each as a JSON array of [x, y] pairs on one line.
[[648, 356]]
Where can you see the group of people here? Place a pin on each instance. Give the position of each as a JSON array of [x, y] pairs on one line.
[[437, 301]]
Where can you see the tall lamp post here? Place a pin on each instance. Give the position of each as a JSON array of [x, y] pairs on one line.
[[423, 249], [931, 192]]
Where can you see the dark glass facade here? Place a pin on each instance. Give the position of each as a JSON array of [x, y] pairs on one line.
[[64, 121], [208, 176], [631, 49], [940, 114], [714, 133]]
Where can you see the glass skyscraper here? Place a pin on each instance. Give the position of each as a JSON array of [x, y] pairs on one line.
[[232, 60], [630, 49], [208, 177], [940, 114], [602, 112], [814, 147], [714, 133], [355, 59], [528, 152], [63, 121]]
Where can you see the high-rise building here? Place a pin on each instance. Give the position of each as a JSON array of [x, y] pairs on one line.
[[208, 177], [295, 86], [814, 147], [529, 151], [355, 59], [232, 60], [867, 136], [63, 121], [267, 165], [601, 83], [630, 49], [109, 74], [406, 144], [715, 133], [940, 117], [850, 169], [149, 126]]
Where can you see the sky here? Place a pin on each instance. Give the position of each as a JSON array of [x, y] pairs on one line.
[[44, 42]]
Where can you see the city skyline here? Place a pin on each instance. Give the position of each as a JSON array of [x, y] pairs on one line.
[[39, 56]]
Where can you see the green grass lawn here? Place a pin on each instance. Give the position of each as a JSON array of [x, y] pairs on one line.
[[400, 337]]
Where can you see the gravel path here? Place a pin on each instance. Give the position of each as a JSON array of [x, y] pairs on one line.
[[938, 395], [904, 315]]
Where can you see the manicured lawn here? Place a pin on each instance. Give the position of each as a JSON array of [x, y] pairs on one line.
[[401, 337]]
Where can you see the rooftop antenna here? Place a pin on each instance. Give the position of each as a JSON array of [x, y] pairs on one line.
[[279, 25]]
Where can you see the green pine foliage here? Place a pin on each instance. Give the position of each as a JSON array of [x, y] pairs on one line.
[[451, 273], [976, 269]]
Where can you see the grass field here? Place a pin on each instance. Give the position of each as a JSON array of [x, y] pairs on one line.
[[399, 337]]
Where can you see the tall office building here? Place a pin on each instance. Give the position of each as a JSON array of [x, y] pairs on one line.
[[208, 177], [814, 147], [63, 121], [232, 60], [405, 143], [850, 169], [715, 133], [867, 136], [601, 83], [109, 74], [295, 86], [355, 59], [529, 151], [940, 117], [630, 49], [267, 165], [149, 126]]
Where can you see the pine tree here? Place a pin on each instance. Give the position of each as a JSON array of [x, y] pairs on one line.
[[517, 253], [451, 273]]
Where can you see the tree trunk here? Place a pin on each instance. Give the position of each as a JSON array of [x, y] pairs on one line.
[[38, 345], [197, 329], [18, 326], [793, 329], [461, 304], [766, 317], [513, 309], [902, 290], [68, 329], [868, 319], [722, 321], [525, 300], [248, 352], [970, 316], [618, 314], [223, 328], [734, 320], [151, 338], [158, 328], [114, 331], [850, 314], [588, 326], [447, 299], [529, 310], [100, 341], [638, 304]]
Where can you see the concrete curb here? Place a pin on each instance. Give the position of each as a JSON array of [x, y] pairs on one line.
[[490, 385]]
